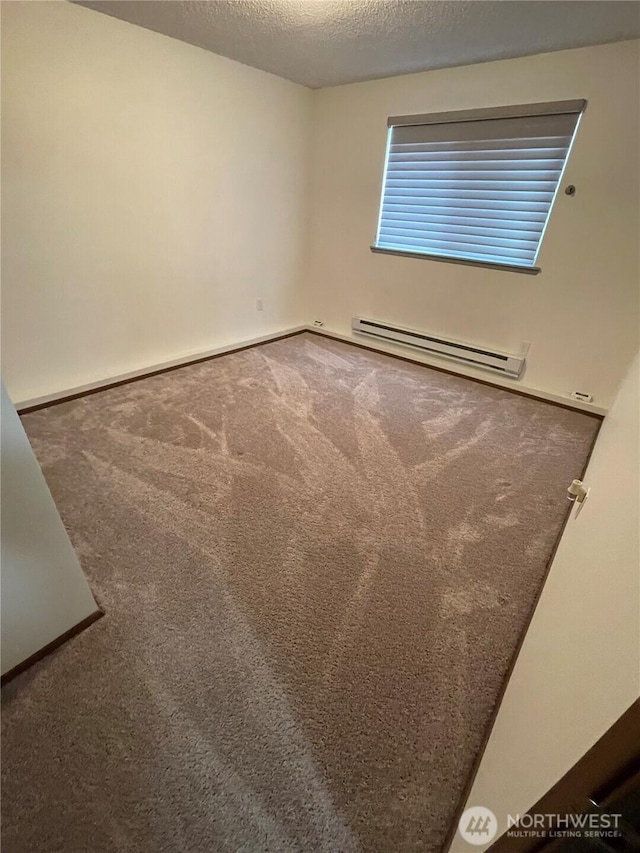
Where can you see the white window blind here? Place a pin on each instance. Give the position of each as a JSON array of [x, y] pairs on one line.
[[475, 186]]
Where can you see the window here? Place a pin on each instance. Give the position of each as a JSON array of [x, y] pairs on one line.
[[475, 186]]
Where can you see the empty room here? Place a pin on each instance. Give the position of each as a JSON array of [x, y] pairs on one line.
[[320, 426]]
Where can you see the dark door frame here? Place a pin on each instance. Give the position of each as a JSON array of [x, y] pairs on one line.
[[612, 764]]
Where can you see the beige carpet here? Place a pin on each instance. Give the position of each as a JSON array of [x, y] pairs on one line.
[[316, 563]]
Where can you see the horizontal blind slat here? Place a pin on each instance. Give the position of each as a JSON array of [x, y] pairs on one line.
[[435, 185], [497, 159], [557, 142], [471, 169], [496, 242], [472, 195], [451, 253], [451, 245], [440, 226], [498, 208], [477, 221]]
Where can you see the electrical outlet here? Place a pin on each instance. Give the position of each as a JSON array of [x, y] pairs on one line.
[[259, 305], [318, 323], [582, 396]]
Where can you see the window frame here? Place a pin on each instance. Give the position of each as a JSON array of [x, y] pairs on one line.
[[576, 106]]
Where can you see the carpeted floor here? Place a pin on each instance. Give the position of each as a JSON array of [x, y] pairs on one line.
[[316, 563]]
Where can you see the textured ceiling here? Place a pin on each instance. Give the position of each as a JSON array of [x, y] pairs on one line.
[[328, 42]]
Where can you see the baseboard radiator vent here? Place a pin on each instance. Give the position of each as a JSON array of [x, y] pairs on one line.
[[508, 365]]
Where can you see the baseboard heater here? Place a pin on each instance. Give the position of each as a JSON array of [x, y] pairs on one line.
[[508, 365]]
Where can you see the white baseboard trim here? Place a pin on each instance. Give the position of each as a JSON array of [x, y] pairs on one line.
[[153, 368], [454, 367], [376, 346]]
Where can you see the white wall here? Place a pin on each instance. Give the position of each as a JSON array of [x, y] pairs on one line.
[[579, 667], [151, 191], [588, 287], [44, 591]]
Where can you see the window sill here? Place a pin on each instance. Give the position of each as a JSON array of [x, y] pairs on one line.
[[447, 260]]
